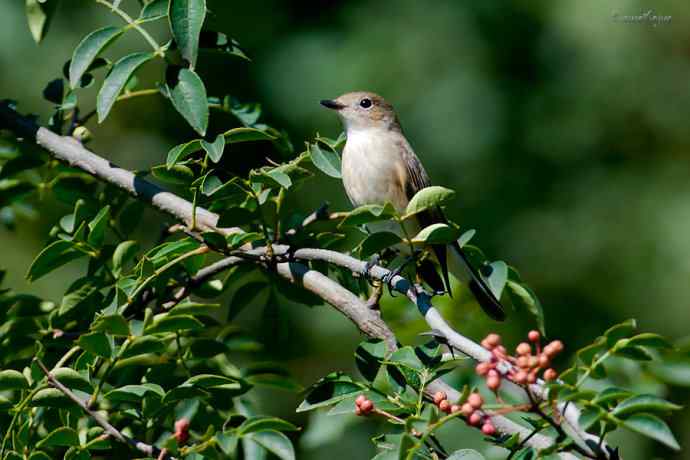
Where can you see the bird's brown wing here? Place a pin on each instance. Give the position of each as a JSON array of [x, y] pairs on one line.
[[417, 179]]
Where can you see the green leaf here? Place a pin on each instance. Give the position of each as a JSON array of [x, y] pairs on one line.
[[121, 71], [235, 216], [376, 242], [327, 161], [650, 340], [211, 185], [215, 240], [123, 253], [177, 174], [143, 345], [112, 324], [498, 278], [168, 323], [189, 99], [39, 14], [236, 135], [38, 455], [51, 397], [96, 343], [186, 18], [620, 331], [182, 151], [156, 9], [466, 454], [653, 427], [97, 227], [13, 190], [88, 50], [329, 390], [368, 213], [428, 198], [523, 298], [634, 353], [63, 436], [436, 234], [51, 257], [134, 393], [72, 379], [215, 149], [644, 403], [368, 356], [11, 379], [274, 442]]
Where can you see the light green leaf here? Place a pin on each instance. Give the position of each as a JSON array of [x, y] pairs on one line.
[[215, 149], [51, 257], [376, 242], [134, 393], [88, 50], [11, 379], [436, 234], [121, 71], [498, 278], [186, 18], [236, 135], [653, 427], [327, 161], [256, 424], [466, 454], [97, 227], [156, 9], [112, 324], [189, 99], [72, 379], [123, 253], [368, 213], [428, 198], [39, 13], [51, 397], [63, 436], [177, 174]]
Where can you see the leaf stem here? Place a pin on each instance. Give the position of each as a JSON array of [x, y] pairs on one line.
[[158, 49]]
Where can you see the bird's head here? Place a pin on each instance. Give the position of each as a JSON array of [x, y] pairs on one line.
[[362, 110]]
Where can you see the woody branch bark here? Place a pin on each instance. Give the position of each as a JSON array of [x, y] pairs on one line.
[[72, 152]]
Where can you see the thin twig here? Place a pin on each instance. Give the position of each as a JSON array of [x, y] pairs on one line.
[[147, 449]]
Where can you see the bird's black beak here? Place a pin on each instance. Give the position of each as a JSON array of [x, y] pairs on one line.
[[331, 104]]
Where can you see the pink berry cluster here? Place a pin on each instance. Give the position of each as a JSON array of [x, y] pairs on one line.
[[363, 406], [181, 431], [528, 362], [471, 409]]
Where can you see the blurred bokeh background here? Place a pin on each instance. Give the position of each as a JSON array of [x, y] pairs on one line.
[[564, 132]]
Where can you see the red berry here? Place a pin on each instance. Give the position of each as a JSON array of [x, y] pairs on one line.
[[182, 424], [493, 373], [488, 429], [533, 336], [550, 374], [182, 430], [455, 408], [475, 400], [523, 349], [493, 339], [367, 406], [533, 361], [358, 410], [475, 419], [445, 406], [483, 368], [467, 410], [360, 399], [523, 362], [493, 383], [520, 377], [532, 377], [439, 396], [543, 361]]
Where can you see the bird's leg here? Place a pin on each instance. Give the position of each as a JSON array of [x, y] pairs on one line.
[[376, 293], [388, 278], [373, 261]]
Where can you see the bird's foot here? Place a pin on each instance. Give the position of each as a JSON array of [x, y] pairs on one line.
[[390, 276], [373, 300], [372, 262]]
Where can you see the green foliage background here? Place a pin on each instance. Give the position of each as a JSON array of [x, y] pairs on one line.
[[563, 132]]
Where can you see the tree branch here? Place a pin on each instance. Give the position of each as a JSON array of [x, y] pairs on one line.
[[148, 449], [73, 153]]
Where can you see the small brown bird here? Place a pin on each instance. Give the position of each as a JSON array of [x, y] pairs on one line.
[[379, 166]]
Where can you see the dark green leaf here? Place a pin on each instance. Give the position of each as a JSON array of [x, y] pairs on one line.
[[256, 424], [635, 353], [177, 174], [428, 198], [13, 190], [63, 436], [123, 253], [88, 50], [156, 9], [327, 161], [186, 18], [189, 98], [51, 257], [19, 164], [650, 340], [96, 343], [11, 379], [274, 442], [72, 379], [376, 242], [215, 241], [51, 397], [168, 323], [329, 390], [620, 331], [121, 71], [523, 298], [466, 454], [82, 293], [97, 227], [182, 151], [211, 185], [244, 134], [215, 149], [112, 324], [368, 213], [245, 295], [653, 427], [234, 217], [644, 403], [134, 393]]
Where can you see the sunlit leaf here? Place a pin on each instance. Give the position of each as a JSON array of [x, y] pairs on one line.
[[326, 160], [653, 427], [88, 50], [51, 257], [428, 198]]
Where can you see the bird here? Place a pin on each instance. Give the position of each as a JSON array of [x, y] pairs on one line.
[[379, 165]]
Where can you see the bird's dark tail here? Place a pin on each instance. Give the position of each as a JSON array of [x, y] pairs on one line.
[[460, 267]]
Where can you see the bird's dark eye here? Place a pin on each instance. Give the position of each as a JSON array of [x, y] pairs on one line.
[[365, 103]]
